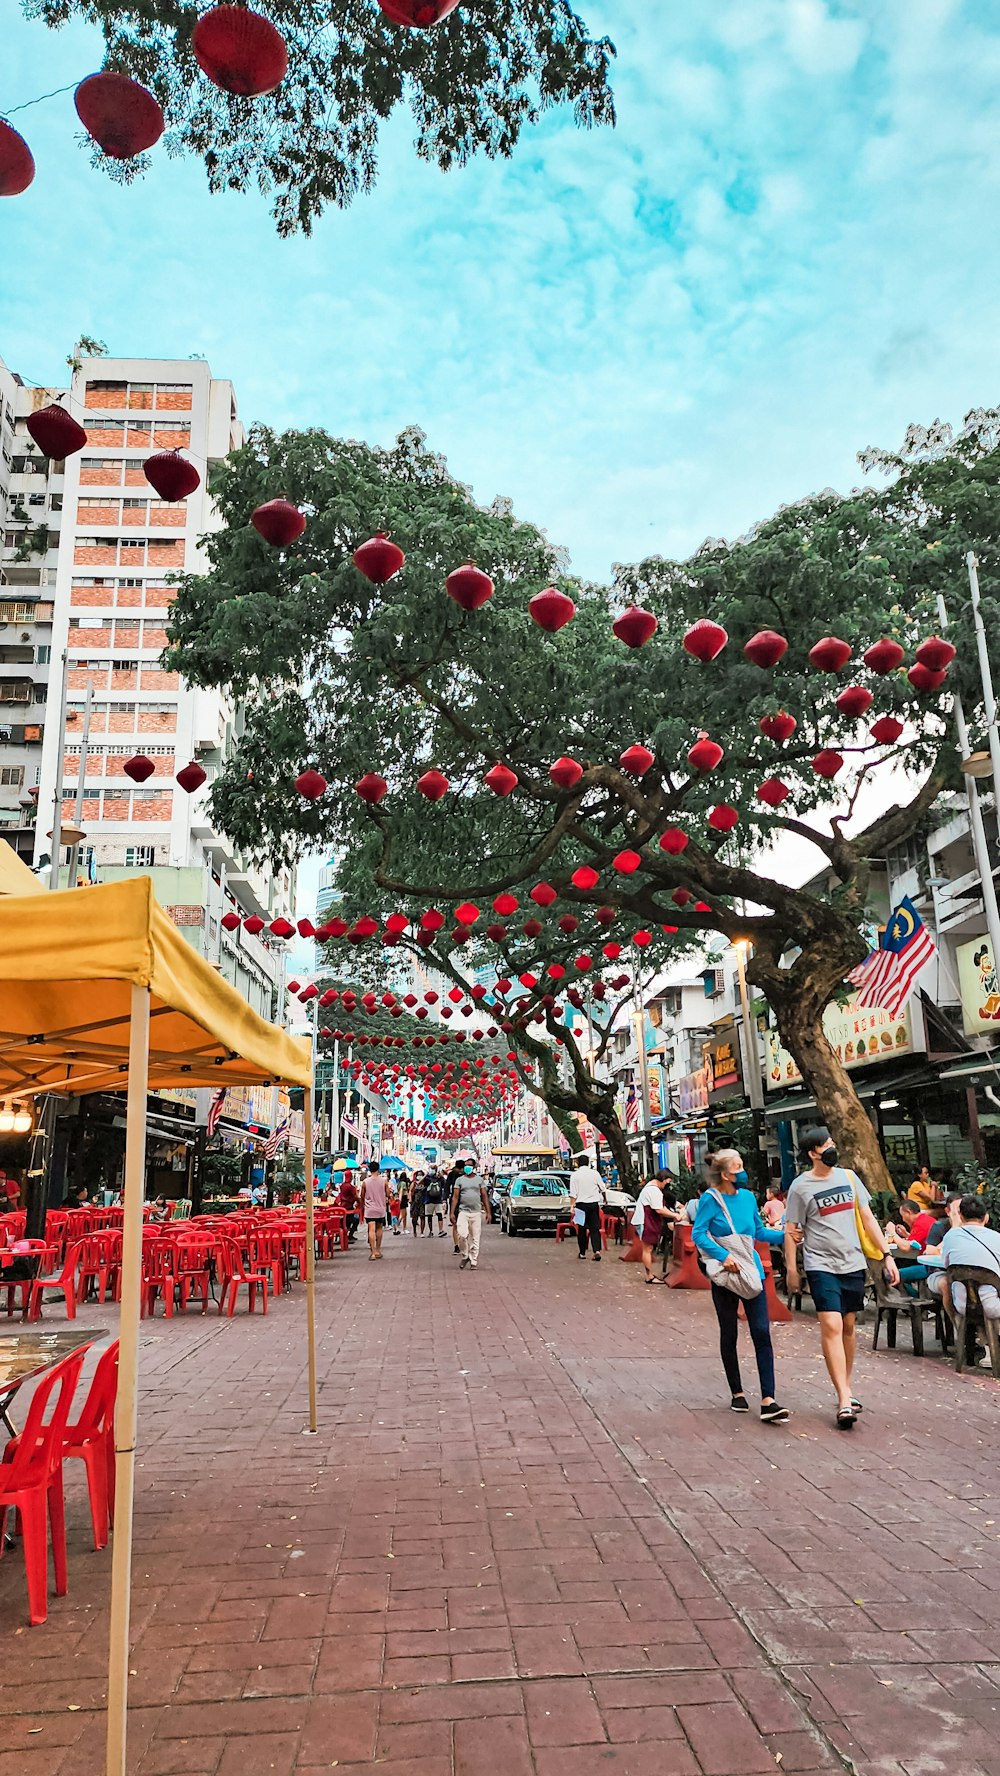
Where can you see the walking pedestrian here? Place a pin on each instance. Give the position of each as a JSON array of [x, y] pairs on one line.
[[347, 1199], [373, 1208], [725, 1227], [469, 1203], [456, 1172], [434, 1195], [417, 1209], [404, 1200], [828, 1207], [586, 1195], [652, 1213]]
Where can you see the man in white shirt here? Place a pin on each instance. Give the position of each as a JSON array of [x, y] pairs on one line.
[[586, 1194], [972, 1242]]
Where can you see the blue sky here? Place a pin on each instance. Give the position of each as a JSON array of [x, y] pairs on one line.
[[787, 250]]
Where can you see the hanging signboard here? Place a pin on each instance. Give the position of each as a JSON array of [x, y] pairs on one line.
[[978, 986], [858, 1036]]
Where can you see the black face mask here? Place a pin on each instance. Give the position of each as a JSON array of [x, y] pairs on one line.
[[829, 1156]]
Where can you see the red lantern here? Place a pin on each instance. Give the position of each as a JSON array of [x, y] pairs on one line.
[[171, 475], [366, 926], [884, 656], [935, 653], [635, 627], [467, 914], [626, 862], [886, 730], [528, 980], [432, 920], [923, 679], [378, 559], [306, 928], [501, 780], [766, 648], [139, 767], [417, 14], [705, 754], [191, 777], [531, 928], [505, 904], [636, 760], [855, 700], [681, 896], [121, 116], [773, 792], [230, 922], [642, 939], [455, 995], [569, 923], [583, 963], [723, 818], [55, 432], [310, 784], [255, 926], [332, 928], [282, 928], [705, 640], [240, 51], [278, 522], [778, 727], [827, 763], [555, 971], [17, 164], [371, 787], [565, 773], [673, 841], [612, 951], [469, 587], [830, 654], [433, 785], [585, 877], [496, 933], [551, 609], [543, 894]]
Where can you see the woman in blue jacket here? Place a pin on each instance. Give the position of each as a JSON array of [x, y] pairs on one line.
[[727, 1181]]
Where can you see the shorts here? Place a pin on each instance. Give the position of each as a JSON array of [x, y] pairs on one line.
[[432, 1208], [836, 1294], [379, 1220]]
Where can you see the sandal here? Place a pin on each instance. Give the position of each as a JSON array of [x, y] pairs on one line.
[[845, 1419], [856, 1407], [652, 1279]]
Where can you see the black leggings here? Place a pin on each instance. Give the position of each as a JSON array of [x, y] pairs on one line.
[[591, 1227], [727, 1306]]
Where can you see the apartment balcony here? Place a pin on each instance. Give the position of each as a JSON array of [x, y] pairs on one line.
[[20, 612]]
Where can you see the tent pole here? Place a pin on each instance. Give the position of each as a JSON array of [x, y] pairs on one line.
[[128, 1375], [308, 1101]]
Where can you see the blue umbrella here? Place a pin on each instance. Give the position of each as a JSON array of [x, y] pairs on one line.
[[389, 1163]]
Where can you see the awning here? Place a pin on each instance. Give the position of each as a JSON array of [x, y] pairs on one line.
[[793, 1108], [68, 962], [972, 1066], [15, 876]]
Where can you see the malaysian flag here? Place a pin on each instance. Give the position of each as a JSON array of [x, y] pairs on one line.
[[275, 1139], [215, 1111], [886, 976]]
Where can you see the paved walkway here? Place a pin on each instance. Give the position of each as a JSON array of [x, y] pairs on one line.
[[528, 1541]]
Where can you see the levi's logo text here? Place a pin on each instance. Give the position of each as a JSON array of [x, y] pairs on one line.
[[835, 1198]]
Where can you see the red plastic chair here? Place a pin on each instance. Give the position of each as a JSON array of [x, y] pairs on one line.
[[159, 1275], [92, 1439], [234, 1276], [66, 1281], [197, 1258], [268, 1253], [45, 1256], [101, 1263], [31, 1479]]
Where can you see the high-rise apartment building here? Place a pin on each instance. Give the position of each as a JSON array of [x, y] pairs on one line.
[[30, 515]]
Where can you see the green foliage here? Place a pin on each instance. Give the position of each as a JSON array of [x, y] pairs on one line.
[[86, 347], [222, 1172], [472, 84], [974, 1179]]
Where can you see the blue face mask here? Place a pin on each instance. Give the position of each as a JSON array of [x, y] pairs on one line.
[[741, 1178]]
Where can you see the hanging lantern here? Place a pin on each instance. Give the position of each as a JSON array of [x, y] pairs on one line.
[[191, 777], [240, 51], [830, 654], [612, 951], [528, 980], [467, 914], [433, 785], [531, 928], [139, 767], [635, 627], [366, 926], [855, 700], [605, 915], [636, 760], [778, 727], [884, 656], [673, 840], [705, 640], [469, 587], [555, 971], [886, 730], [501, 780], [569, 923], [255, 926], [935, 653], [17, 163], [310, 784], [432, 920], [333, 928], [455, 995], [379, 559], [282, 928], [172, 476], [626, 862], [565, 773], [278, 522], [923, 679], [583, 963], [230, 922], [397, 923], [765, 648], [585, 877], [551, 609], [55, 432], [723, 817], [705, 754], [642, 939], [505, 904], [496, 933], [681, 896], [543, 894], [773, 792], [827, 763], [417, 14], [371, 787], [306, 928], [121, 116]]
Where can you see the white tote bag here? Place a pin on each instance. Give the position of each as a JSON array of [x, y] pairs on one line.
[[745, 1282]]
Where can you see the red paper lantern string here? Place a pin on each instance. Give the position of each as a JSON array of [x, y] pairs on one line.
[[635, 626], [278, 521], [551, 609], [705, 640], [565, 773], [469, 587], [240, 51], [433, 785], [119, 114], [766, 648], [17, 163]]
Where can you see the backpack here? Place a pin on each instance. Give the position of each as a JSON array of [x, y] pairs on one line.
[[434, 1193]]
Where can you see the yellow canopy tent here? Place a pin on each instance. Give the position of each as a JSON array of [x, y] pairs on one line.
[[97, 990], [15, 876]]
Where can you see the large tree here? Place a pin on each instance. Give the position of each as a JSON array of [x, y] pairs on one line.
[[472, 83], [354, 677]]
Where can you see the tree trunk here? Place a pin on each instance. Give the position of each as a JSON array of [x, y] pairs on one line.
[[610, 1127], [801, 1028]]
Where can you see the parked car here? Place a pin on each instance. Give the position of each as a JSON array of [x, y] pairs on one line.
[[535, 1200], [499, 1187]]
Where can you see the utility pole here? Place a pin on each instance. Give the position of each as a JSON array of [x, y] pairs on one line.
[[74, 850], [55, 837], [639, 1024], [980, 844], [751, 1063]]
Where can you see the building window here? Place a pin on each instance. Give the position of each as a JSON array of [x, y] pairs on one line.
[[135, 505], [11, 776], [42, 656], [138, 856]]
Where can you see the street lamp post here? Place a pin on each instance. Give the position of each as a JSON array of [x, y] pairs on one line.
[[74, 849], [751, 1061], [980, 844], [639, 1020]]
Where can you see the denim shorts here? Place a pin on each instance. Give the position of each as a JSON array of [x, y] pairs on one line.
[[837, 1294]]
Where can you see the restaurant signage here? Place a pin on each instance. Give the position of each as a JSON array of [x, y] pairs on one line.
[[978, 986], [858, 1036]]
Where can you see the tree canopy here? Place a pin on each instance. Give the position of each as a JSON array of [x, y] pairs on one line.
[[472, 84], [353, 678]]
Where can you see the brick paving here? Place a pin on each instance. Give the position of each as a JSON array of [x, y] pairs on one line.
[[529, 1540]]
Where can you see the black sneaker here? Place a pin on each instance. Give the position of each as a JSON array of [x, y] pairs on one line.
[[597, 1257], [773, 1414], [739, 1403], [582, 1257]]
